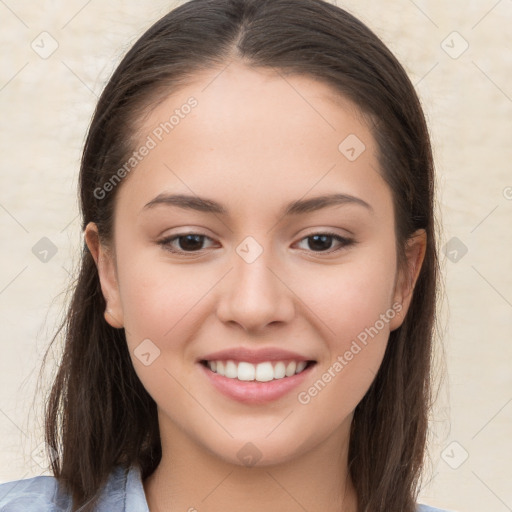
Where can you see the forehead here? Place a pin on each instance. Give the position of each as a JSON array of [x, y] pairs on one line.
[[256, 134], [259, 101]]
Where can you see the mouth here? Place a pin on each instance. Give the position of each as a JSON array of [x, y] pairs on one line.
[[255, 383], [265, 371]]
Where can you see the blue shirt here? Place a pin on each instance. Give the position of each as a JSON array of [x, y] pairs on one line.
[[123, 492]]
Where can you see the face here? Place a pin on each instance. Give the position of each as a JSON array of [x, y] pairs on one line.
[[250, 260]]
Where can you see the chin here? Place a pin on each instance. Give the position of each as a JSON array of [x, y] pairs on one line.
[[258, 451]]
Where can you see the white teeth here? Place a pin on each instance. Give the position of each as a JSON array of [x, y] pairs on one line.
[[290, 369], [220, 368], [231, 370], [279, 370], [300, 366], [262, 372], [246, 371]]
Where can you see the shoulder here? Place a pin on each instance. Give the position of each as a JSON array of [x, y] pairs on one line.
[[124, 488], [426, 508], [30, 494], [44, 494]]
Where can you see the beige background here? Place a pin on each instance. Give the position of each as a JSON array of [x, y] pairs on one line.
[[46, 104]]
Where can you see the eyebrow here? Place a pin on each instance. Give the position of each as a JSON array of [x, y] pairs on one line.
[[298, 207]]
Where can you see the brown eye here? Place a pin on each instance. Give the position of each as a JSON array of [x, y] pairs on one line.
[[184, 243], [322, 242]]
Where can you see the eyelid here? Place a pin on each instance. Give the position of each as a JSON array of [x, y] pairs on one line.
[[166, 241], [345, 242]]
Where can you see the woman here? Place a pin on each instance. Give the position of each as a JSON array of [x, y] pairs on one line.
[[252, 324]]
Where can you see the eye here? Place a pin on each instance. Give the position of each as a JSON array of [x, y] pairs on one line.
[[184, 242], [322, 242]]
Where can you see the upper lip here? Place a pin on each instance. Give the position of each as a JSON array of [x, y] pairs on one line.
[[254, 356]]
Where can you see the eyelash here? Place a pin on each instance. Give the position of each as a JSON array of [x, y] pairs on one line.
[[166, 242]]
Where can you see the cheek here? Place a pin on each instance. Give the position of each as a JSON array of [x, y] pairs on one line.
[[156, 296], [340, 385], [354, 305], [160, 303], [351, 296]]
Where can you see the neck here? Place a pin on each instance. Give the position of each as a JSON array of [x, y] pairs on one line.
[[191, 478]]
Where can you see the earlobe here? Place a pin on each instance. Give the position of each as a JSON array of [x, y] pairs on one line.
[[407, 278], [105, 265]]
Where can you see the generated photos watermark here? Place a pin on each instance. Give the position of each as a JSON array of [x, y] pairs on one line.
[[357, 345], [152, 140]]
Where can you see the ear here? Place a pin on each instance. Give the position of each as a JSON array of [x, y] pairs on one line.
[[105, 263], [416, 246]]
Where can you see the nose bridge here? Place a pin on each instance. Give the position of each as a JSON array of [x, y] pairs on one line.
[[252, 262], [255, 296]]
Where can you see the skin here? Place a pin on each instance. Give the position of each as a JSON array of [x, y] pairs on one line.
[[255, 142]]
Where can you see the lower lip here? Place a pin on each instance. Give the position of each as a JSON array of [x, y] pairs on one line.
[[254, 392]]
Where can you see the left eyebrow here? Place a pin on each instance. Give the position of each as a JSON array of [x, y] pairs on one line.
[[316, 203], [298, 207]]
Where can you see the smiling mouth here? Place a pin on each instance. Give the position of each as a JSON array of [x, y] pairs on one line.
[[262, 372]]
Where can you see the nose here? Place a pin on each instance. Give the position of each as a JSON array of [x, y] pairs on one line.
[[255, 294]]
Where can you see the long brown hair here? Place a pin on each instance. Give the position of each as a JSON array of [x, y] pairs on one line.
[[98, 414]]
